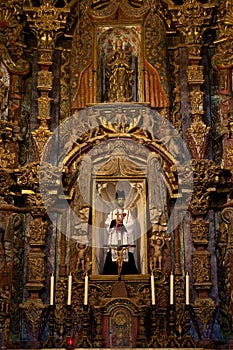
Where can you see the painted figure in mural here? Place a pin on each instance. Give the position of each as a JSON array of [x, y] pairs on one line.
[[120, 226], [119, 75]]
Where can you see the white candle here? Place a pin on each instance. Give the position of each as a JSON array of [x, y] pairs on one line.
[[86, 290], [187, 288], [152, 279], [171, 289], [69, 289], [52, 289]]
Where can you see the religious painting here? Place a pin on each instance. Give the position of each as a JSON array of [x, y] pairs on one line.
[[119, 227]]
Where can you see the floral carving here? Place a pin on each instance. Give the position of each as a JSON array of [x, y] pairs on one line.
[[38, 229], [36, 269], [200, 231], [197, 135], [201, 268]]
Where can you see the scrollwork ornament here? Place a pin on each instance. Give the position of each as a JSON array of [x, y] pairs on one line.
[[44, 107], [28, 176], [197, 136], [199, 203], [191, 18], [196, 101], [204, 310], [200, 231], [195, 74], [7, 181], [33, 311], [38, 230], [47, 21], [35, 203], [227, 215], [45, 80], [201, 269], [36, 270]]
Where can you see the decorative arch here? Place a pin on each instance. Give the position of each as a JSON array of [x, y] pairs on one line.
[[114, 143], [120, 324]]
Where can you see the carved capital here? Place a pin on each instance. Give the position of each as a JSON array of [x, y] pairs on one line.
[[192, 20], [47, 22]]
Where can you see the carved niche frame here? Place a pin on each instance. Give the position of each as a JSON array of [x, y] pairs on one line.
[[103, 201], [131, 35]]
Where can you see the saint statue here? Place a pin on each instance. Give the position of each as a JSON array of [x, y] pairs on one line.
[[120, 226], [119, 75]]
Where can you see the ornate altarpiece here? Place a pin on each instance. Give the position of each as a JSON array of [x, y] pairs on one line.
[[114, 135]]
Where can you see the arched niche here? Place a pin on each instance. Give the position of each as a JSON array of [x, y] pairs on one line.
[[120, 324], [115, 145], [142, 32]]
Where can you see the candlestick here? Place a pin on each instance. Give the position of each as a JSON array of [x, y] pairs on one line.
[[52, 289], [69, 289], [86, 290], [152, 279], [187, 288], [171, 289]]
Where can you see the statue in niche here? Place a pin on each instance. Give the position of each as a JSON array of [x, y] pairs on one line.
[[157, 190], [119, 75], [156, 243], [120, 227], [81, 252]]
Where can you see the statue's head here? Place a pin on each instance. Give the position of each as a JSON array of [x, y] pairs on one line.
[[119, 43], [120, 197]]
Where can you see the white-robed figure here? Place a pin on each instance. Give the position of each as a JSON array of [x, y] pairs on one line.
[[120, 226]]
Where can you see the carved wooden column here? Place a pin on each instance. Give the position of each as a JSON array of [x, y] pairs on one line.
[[205, 178], [227, 215], [29, 185], [33, 308], [222, 61], [47, 22], [191, 20], [12, 68]]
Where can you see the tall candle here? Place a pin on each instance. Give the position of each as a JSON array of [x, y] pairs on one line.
[[86, 290], [187, 288], [69, 289], [52, 289], [152, 279], [171, 289]]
